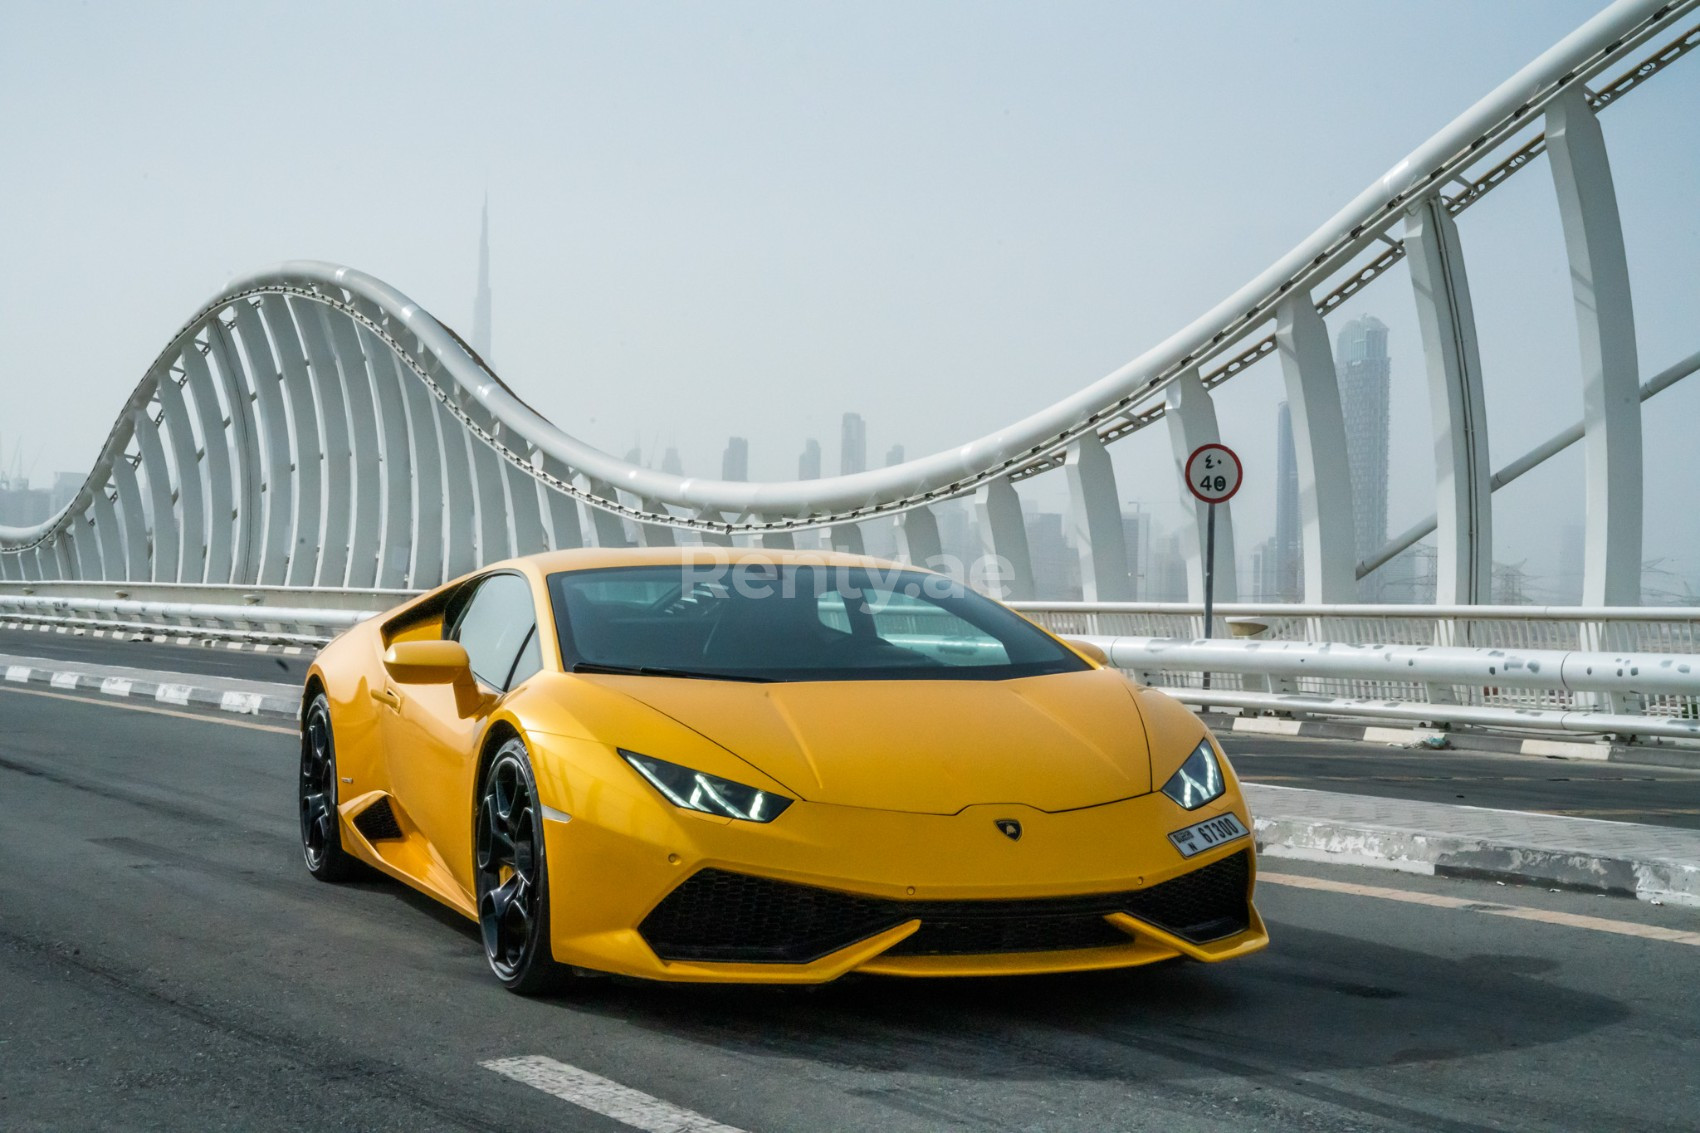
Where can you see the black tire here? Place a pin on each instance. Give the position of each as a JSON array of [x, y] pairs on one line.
[[321, 835], [511, 876]]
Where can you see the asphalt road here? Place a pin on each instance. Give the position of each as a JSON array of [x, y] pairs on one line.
[[1616, 791], [166, 963], [1619, 792]]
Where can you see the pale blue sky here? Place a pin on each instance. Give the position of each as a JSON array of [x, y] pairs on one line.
[[747, 218]]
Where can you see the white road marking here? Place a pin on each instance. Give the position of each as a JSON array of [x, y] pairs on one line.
[[247, 703], [599, 1095], [1520, 912], [19, 673], [115, 686], [64, 680], [172, 694]]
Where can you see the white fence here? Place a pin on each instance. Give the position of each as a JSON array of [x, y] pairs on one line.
[[1256, 660], [1618, 670]]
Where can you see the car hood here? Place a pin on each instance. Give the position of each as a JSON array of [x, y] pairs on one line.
[[1055, 743]]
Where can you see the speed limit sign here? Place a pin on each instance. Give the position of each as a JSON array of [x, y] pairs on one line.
[[1213, 473]]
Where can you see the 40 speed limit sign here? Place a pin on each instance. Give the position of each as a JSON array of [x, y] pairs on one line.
[[1213, 473]]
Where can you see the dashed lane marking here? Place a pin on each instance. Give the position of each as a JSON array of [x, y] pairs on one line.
[[128, 707], [601, 1095], [1518, 912]]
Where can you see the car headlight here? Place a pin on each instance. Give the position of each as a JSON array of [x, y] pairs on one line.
[[709, 794], [1199, 779]]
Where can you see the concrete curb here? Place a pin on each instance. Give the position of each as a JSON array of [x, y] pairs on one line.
[[1654, 864], [1598, 750], [163, 692]]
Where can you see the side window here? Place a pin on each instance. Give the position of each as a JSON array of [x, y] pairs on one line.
[[495, 625]]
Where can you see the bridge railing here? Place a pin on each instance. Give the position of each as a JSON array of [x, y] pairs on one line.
[[1334, 660], [1630, 671]]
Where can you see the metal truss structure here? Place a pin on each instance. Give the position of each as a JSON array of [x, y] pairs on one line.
[[311, 427]]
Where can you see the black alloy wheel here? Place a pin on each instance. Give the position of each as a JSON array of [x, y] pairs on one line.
[[321, 840], [511, 878]]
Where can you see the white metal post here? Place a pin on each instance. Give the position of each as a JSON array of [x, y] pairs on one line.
[[1457, 412], [1605, 326], [1319, 443]]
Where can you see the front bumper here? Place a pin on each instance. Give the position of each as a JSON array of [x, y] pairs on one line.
[[623, 854]]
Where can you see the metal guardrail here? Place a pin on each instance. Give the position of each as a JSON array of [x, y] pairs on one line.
[[201, 613], [1631, 671], [1459, 664]]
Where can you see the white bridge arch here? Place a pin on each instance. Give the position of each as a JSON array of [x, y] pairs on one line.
[[311, 426]]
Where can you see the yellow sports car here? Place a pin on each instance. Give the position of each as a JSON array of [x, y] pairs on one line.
[[768, 767]]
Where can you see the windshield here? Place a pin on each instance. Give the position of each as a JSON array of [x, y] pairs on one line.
[[788, 622]]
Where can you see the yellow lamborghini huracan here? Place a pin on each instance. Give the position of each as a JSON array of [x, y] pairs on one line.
[[768, 767]]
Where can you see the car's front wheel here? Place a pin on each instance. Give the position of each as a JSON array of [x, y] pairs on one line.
[[512, 881], [321, 839]]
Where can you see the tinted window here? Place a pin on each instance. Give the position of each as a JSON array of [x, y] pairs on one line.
[[494, 625], [770, 621]]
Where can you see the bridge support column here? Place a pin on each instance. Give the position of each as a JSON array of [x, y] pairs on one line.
[[256, 369], [1319, 444], [918, 537], [331, 567], [123, 480], [1463, 504], [1605, 325], [656, 534], [1095, 522], [191, 492], [1190, 415], [166, 528], [1003, 538], [607, 527], [305, 545], [847, 537], [562, 509]]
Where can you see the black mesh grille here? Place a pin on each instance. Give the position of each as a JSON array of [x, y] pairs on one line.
[[377, 822], [1204, 905], [716, 915]]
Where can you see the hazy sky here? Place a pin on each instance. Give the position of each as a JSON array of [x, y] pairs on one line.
[[748, 218]]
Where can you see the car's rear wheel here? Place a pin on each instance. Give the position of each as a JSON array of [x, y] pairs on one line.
[[321, 838], [512, 879]]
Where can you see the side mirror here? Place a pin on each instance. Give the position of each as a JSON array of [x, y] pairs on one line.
[[1087, 649], [428, 662]]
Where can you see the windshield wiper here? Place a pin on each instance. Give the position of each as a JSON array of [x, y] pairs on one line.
[[653, 671]]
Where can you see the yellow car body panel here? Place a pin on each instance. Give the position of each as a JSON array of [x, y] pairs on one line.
[[899, 787]]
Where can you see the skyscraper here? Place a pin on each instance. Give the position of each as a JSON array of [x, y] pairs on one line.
[[671, 464], [1282, 578], [808, 465], [1364, 370], [893, 455], [853, 445], [735, 464], [481, 303]]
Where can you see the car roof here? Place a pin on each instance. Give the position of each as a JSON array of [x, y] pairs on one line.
[[595, 558]]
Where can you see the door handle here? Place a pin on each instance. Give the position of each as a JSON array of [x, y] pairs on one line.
[[387, 696]]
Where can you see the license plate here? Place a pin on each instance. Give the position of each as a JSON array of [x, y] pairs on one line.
[[1200, 836]]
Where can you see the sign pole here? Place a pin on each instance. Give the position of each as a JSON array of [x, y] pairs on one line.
[[1213, 474], [1209, 577]]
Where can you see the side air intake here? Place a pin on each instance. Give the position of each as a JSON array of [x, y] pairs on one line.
[[377, 822]]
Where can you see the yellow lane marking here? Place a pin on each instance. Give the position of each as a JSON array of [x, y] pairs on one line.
[[111, 703], [1518, 912]]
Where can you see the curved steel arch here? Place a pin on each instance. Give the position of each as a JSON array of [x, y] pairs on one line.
[[342, 436]]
